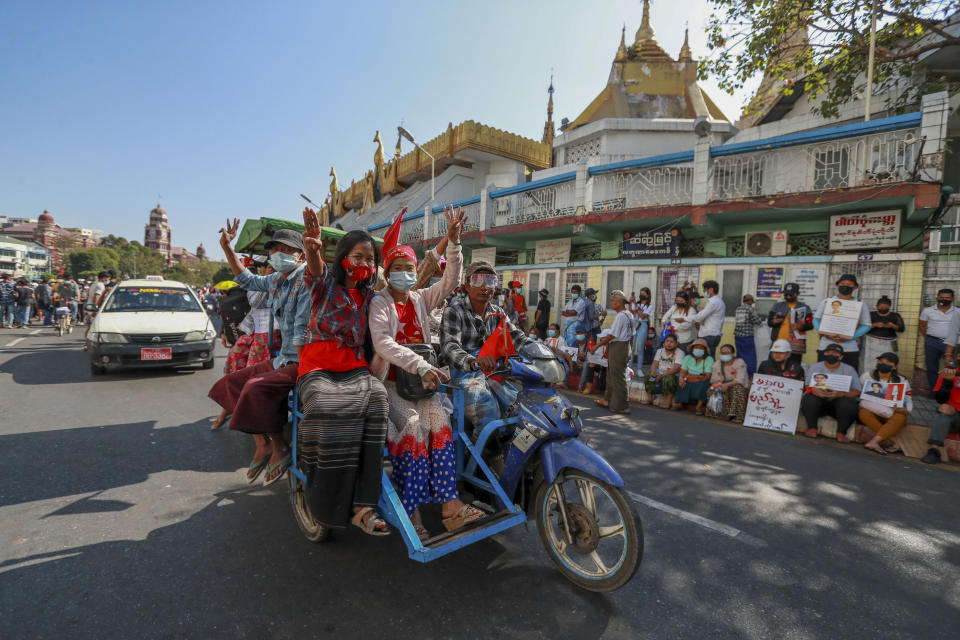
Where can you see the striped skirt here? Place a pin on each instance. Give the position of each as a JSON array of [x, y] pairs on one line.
[[340, 442]]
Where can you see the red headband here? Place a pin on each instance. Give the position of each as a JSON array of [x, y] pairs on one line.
[[401, 251]]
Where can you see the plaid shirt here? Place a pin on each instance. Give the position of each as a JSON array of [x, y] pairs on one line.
[[333, 313], [290, 305], [747, 320], [7, 295], [463, 332]]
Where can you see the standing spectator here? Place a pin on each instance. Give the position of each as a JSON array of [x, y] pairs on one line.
[[678, 317], [947, 393], [519, 305], [888, 423], [541, 318], [842, 405], [939, 326], [850, 350], [882, 337], [790, 320], [592, 312], [621, 335], [729, 375], [44, 295], [641, 309], [95, 296], [711, 317], [574, 312], [694, 381], [663, 372], [8, 302], [747, 321], [780, 364], [25, 302]]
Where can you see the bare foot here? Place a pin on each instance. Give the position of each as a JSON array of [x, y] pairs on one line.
[[220, 420]]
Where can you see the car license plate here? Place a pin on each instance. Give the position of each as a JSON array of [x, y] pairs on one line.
[[156, 354]]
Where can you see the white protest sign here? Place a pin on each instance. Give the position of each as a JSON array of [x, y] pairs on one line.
[[774, 403], [841, 317]]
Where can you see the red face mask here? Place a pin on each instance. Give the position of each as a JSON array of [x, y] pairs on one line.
[[357, 273]]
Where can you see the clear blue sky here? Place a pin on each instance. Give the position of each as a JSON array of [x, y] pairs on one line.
[[234, 108]]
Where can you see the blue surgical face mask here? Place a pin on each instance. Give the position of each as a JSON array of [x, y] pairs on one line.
[[282, 262], [725, 357], [698, 353], [581, 337], [574, 296], [402, 280], [551, 333]]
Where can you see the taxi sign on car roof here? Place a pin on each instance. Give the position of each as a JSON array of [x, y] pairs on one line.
[[154, 278]]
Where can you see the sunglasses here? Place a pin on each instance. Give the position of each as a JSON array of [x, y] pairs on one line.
[[483, 280]]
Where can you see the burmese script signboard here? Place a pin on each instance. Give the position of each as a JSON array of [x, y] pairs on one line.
[[651, 244], [550, 251], [874, 230], [774, 403]]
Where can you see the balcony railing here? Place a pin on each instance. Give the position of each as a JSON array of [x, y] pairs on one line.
[[551, 201], [642, 188]]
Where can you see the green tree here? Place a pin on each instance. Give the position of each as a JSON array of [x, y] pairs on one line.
[[822, 47], [221, 274]]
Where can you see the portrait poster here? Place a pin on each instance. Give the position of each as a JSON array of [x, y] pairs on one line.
[[830, 382], [841, 317]]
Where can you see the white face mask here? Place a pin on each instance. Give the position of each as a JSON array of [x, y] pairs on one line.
[[402, 280]]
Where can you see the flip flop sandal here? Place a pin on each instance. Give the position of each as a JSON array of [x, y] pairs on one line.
[[257, 469], [810, 433], [371, 524], [465, 515], [422, 532], [284, 464]]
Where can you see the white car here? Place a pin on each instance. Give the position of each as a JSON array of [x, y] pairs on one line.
[[150, 323]]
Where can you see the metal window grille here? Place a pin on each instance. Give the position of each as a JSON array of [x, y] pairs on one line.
[[572, 277]]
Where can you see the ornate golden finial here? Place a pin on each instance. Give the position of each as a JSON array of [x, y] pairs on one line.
[[548, 126], [397, 149], [622, 49], [645, 32], [685, 54]]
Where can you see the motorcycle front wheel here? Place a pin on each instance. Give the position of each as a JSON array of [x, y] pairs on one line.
[[607, 535], [309, 527]]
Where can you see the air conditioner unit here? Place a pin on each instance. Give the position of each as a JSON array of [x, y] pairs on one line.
[[765, 243]]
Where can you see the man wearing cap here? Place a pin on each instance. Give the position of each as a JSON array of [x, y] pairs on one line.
[[790, 320], [541, 319], [745, 326], [256, 396], [842, 405], [592, 314], [850, 349], [466, 325], [574, 312], [780, 364], [619, 339], [939, 326], [710, 317]]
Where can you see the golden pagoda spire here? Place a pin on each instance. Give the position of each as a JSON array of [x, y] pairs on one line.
[[645, 32], [548, 126], [685, 54], [622, 49]]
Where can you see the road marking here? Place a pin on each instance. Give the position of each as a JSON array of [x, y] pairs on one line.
[[35, 332], [13, 342], [706, 523]]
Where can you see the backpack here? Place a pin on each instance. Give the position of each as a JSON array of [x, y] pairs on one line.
[[234, 307]]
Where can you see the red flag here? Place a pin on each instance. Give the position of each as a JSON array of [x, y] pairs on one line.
[[499, 344], [392, 237]]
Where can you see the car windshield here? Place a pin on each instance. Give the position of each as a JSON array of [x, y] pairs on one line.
[[151, 299]]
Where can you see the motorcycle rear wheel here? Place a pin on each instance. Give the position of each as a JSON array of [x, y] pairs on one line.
[[309, 527], [609, 519]]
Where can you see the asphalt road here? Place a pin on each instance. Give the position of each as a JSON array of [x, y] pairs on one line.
[[123, 516]]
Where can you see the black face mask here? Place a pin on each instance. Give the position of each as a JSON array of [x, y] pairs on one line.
[[681, 304], [883, 310], [643, 298], [883, 367], [944, 303], [790, 297], [832, 358], [845, 290]]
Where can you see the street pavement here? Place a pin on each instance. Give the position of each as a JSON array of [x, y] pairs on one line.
[[123, 516]]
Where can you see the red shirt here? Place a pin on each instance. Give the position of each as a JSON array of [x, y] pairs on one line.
[[409, 331], [330, 355]]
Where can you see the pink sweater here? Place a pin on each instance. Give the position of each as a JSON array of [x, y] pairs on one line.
[[384, 322]]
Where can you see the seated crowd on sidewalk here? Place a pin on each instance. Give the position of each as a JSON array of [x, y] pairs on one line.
[[855, 378]]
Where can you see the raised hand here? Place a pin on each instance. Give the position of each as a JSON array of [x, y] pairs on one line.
[[311, 233], [228, 233], [455, 222]]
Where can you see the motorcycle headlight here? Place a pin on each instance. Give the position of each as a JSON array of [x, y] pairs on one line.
[[111, 337]]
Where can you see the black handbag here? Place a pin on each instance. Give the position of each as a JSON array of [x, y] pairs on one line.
[[410, 385]]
